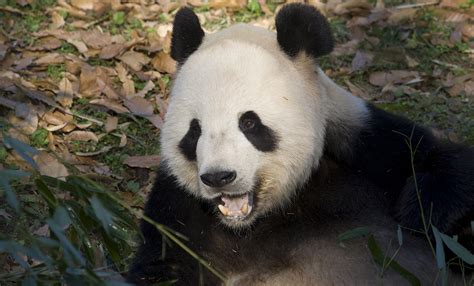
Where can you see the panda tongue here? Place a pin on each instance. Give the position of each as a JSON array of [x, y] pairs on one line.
[[236, 206]]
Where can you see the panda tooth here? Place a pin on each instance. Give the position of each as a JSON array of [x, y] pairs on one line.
[[223, 210], [245, 208]]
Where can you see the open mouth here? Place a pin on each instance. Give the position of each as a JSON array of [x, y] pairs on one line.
[[236, 207]]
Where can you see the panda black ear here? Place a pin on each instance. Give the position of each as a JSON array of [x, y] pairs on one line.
[[187, 35], [301, 28]]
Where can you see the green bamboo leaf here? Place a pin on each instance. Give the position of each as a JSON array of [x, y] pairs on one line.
[[46, 193], [353, 233], [440, 256], [102, 214], [14, 249], [399, 236], [380, 258], [6, 176], [457, 248], [57, 224], [24, 150], [29, 280]]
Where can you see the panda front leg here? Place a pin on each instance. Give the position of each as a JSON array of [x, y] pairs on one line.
[[430, 182], [443, 192], [155, 261]]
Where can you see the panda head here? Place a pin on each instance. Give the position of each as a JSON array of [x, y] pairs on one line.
[[245, 127]]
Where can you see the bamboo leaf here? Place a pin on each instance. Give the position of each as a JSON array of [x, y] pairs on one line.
[[353, 233], [457, 248], [24, 150], [379, 258]]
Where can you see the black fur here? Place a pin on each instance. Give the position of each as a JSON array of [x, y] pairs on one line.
[[444, 171], [302, 28], [268, 244], [188, 144], [187, 35], [260, 135], [374, 181]]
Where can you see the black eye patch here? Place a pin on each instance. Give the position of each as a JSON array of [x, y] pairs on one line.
[[260, 135], [188, 144]]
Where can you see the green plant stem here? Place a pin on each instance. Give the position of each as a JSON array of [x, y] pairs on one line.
[[418, 194]]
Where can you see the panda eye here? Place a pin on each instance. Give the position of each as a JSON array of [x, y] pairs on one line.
[[248, 124]]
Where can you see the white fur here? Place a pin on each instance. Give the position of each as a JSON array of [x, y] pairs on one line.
[[243, 69]]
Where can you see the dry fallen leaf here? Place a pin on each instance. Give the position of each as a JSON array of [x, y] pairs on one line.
[[143, 161], [88, 80], [66, 93], [111, 123], [395, 77], [111, 51], [139, 106], [148, 86], [361, 61], [164, 63], [57, 20], [134, 60], [81, 136], [96, 39], [357, 91], [110, 104], [50, 166]]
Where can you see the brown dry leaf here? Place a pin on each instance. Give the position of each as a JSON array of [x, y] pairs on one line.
[[357, 91], [46, 43], [164, 63], [88, 80], [228, 4], [50, 59], [110, 104], [80, 46], [353, 6], [361, 61], [111, 51], [3, 51], [42, 231], [469, 88], [156, 120], [50, 166], [83, 4], [107, 90], [66, 93], [148, 86], [395, 77], [26, 126], [411, 62], [24, 2], [139, 106], [148, 161], [134, 60], [111, 123], [162, 105], [123, 140], [57, 118], [57, 20], [81, 136], [348, 48], [401, 15], [96, 39]]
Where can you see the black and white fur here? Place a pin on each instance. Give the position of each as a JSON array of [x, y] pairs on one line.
[[252, 109]]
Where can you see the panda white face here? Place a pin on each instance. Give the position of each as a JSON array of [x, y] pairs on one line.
[[244, 126]]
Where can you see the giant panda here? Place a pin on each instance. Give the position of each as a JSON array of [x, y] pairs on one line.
[[265, 161]]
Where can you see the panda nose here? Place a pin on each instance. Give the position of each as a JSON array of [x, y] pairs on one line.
[[218, 179]]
